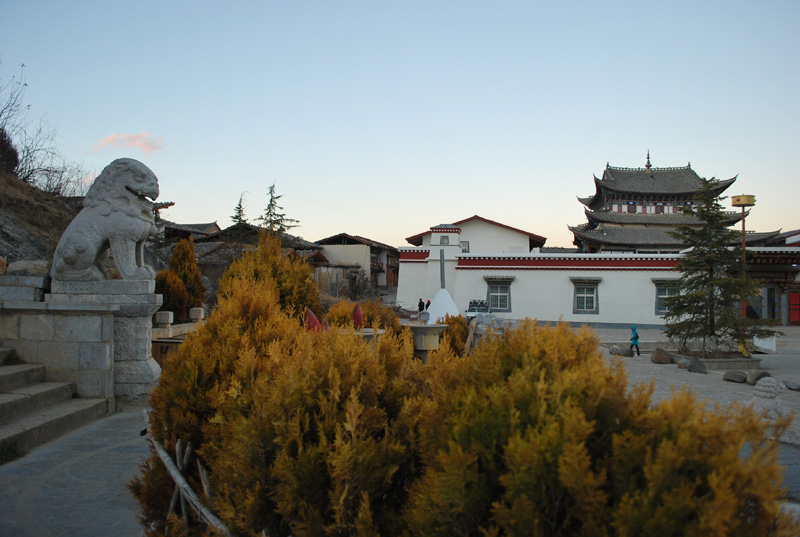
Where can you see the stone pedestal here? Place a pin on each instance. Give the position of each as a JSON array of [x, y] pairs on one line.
[[135, 370], [426, 338]]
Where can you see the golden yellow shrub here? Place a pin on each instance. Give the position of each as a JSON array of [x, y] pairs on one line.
[[376, 315], [540, 436], [321, 433], [292, 277]]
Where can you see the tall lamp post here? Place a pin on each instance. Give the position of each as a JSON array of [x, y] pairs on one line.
[[743, 201]]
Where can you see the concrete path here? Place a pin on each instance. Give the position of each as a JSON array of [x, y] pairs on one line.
[[76, 485], [714, 390]]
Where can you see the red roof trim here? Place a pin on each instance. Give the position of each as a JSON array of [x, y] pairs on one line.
[[415, 255]]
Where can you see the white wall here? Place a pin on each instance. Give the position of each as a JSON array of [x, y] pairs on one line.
[[487, 238], [542, 287], [411, 284], [348, 254], [623, 297]]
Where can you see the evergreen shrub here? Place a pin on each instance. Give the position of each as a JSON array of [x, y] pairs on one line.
[[319, 433], [293, 278], [538, 435], [184, 264], [454, 337], [340, 314], [376, 315], [176, 299]]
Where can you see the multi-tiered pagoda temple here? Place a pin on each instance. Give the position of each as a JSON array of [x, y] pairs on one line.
[[634, 209]]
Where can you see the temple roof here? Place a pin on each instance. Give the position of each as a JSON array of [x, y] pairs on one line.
[[649, 181], [627, 236], [653, 219], [649, 237]]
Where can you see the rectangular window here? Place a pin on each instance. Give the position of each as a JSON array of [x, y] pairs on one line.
[[664, 291], [464, 247], [500, 297], [498, 292], [585, 299], [444, 239]]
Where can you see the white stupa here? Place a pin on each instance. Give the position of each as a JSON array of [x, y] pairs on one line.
[[441, 305]]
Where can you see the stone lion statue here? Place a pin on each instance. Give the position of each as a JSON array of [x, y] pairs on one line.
[[116, 214]]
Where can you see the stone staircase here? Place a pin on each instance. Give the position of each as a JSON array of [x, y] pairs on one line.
[[34, 411]]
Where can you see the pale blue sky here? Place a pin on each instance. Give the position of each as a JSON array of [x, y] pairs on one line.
[[382, 119]]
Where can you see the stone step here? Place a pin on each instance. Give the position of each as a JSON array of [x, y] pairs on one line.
[[5, 354], [28, 294], [38, 427], [17, 376], [33, 397]]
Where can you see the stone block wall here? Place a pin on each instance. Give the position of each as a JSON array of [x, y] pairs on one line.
[[73, 343], [96, 334]]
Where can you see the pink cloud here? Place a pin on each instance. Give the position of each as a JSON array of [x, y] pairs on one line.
[[143, 141]]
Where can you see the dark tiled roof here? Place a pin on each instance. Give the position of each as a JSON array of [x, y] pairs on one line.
[[654, 180], [203, 228], [244, 230], [653, 219], [677, 181], [202, 249], [194, 229], [624, 236], [782, 237], [557, 250], [314, 256], [637, 237], [344, 238]]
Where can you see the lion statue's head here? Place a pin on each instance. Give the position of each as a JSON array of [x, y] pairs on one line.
[[126, 185]]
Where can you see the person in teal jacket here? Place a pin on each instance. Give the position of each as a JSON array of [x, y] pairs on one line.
[[635, 340]]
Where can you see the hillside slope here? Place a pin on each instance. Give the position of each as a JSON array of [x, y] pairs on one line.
[[31, 221]]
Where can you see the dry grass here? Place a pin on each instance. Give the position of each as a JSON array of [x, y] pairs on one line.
[[40, 213]]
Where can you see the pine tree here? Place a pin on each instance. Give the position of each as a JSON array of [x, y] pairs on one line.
[[707, 306], [273, 219], [238, 211]]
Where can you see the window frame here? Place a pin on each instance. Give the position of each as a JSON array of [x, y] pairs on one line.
[[667, 285], [499, 282], [583, 284]]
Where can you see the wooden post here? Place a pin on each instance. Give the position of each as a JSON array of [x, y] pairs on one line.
[[186, 491], [473, 324]]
